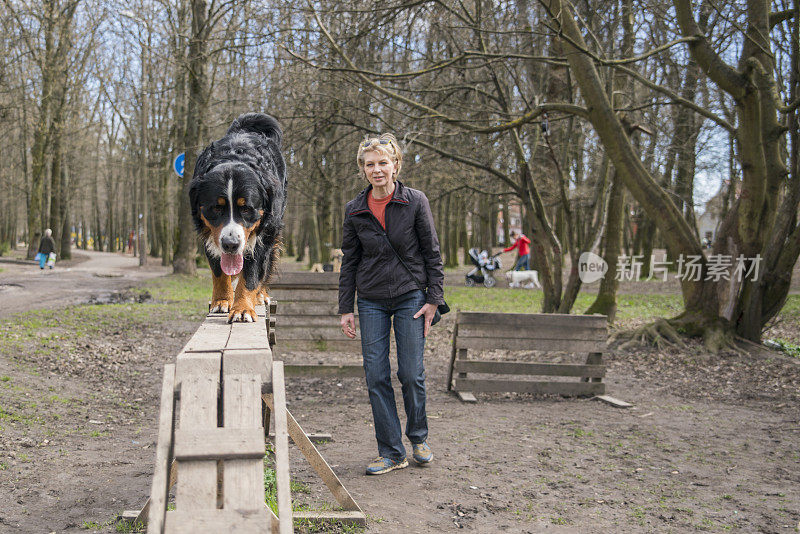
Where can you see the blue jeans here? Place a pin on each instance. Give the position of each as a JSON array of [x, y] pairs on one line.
[[522, 263], [375, 318]]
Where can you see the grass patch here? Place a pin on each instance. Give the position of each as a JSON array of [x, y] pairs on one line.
[[175, 287], [38, 331], [787, 347], [629, 306]]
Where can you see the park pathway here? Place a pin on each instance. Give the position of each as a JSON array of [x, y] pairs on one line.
[[23, 286]]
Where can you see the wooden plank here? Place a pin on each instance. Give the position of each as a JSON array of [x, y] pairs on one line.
[[196, 363], [210, 336], [522, 386], [220, 443], [260, 310], [466, 396], [281, 449], [531, 320], [291, 332], [544, 332], [304, 295], [608, 399], [159, 491], [273, 305], [320, 466], [319, 437], [346, 517], [243, 480], [248, 362], [249, 335], [207, 521], [480, 343], [353, 370], [345, 345], [291, 307], [300, 279], [525, 368], [197, 488], [308, 320]]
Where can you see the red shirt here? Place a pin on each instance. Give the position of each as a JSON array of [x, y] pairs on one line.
[[522, 242], [378, 207]]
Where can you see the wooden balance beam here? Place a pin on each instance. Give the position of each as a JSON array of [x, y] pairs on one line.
[[224, 387]]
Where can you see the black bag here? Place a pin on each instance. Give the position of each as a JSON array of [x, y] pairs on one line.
[[441, 309]]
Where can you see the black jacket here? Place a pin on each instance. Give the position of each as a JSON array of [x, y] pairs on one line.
[[370, 266], [47, 245]]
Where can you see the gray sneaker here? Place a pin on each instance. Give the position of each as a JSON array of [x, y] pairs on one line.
[[383, 465], [422, 453]]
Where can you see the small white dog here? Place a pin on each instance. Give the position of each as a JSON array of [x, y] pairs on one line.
[[528, 279]]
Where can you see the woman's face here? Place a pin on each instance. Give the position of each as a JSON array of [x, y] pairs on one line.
[[379, 169]]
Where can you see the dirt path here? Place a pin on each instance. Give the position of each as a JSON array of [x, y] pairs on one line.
[[23, 286]]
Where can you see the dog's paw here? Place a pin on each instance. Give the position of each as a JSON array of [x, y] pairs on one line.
[[242, 312], [220, 306], [262, 297]]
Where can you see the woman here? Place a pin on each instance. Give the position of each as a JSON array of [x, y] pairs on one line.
[[521, 241], [46, 246], [391, 259]]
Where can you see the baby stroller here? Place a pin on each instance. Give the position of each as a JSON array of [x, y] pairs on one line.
[[485, 265]]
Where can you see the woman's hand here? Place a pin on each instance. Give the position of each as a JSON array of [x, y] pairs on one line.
[[428, 310], [348, 323]]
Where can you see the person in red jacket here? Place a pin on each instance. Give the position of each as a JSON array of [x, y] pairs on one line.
[[523, 262]]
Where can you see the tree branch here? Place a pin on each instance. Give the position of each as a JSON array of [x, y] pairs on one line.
[[729, 79]]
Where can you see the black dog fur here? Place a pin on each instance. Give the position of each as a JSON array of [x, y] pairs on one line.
[[249, 157]]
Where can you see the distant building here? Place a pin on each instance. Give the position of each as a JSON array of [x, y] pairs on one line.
[[708, 222]]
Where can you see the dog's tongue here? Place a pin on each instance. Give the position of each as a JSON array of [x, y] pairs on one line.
[[231, 263]]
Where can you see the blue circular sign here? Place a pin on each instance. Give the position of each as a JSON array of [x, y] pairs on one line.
[[178, 164]]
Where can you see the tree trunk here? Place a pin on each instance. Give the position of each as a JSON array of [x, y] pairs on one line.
[[196, 110], [606, 301]]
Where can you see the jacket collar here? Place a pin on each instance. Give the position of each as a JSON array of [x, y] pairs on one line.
[[400, 196]]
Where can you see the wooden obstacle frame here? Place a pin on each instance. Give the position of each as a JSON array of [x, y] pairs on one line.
[[477, 331], [216, 404], [307, 319]]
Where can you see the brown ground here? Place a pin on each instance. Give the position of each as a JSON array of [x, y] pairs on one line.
[[712, 444]]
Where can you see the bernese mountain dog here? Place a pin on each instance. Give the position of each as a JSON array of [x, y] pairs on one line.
[[238, 198]]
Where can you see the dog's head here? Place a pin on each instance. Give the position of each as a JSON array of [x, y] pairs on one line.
[[509, 275], [238, 191]]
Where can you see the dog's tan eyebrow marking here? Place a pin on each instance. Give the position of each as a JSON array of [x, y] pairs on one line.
[[230, 197], [221, 201], [240, 202]]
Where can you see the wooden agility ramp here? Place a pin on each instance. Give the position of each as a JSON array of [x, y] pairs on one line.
[[216, 404]]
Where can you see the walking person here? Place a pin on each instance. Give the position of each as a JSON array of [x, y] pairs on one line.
[[393, 265], [46, 247], [521, 242]]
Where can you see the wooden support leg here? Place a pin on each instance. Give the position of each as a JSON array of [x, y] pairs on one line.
[[161, 480], [140, 516], [465, 396], [281, 450], [452, 359], [594, 358]]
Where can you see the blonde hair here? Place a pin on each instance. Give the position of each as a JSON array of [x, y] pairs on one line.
[[380, 145]]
